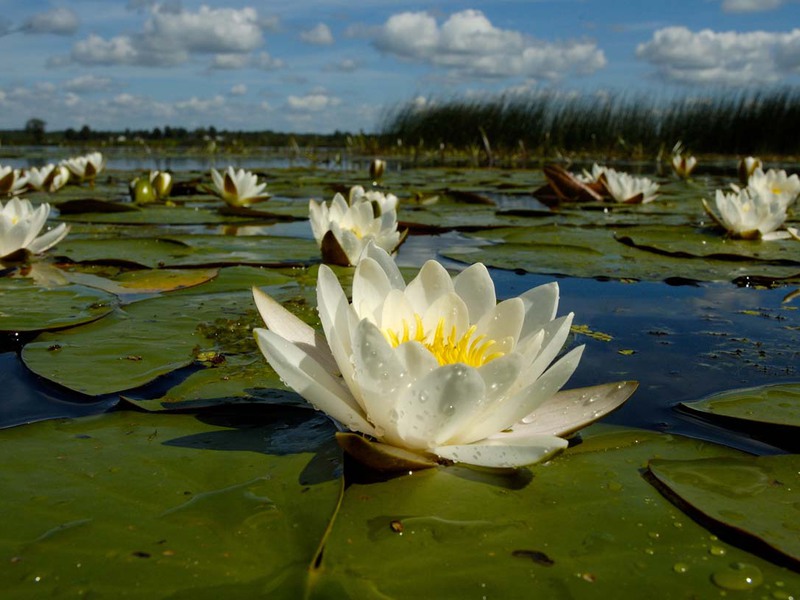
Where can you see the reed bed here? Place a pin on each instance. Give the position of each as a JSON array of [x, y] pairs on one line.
[[551, 125]]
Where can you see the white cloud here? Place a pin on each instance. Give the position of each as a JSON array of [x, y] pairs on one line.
[[88, 83], [263, 60], [313, 102], [60, 21], [468, 44], [722, 58], [229, 61], [171, 35], [319, 35], [750, 5], [347, 65], [238, 90]]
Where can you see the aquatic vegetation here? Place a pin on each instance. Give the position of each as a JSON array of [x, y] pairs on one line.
[[49, 178], [12, 181], [343, 228], [155, 187], [747, 166], [20, 225], [683, 165], [436, 368], [239, 188], [627, 188], [748, 214], [86, 167], [775, 184]]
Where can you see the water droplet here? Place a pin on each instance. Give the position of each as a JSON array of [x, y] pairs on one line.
[[654, 535], [781, 595], [717, 551], [423, 396], [680, 567], [448, 409], [738, 576], [614, 486]]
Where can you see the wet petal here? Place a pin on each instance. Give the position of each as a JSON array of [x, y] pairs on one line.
[[476, 288], [431, 282], [309, 379], [501, 453], [370, 288], [541, 304]]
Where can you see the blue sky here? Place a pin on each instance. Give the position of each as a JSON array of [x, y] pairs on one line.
[[322, 65]]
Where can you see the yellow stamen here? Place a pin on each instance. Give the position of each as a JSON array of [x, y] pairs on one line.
[[448, 349]]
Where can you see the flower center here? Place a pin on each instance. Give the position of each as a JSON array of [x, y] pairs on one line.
[[469, 349]]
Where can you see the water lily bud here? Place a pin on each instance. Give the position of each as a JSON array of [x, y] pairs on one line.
[[747, 166], [142, 191], [162, 183], [376, 169]]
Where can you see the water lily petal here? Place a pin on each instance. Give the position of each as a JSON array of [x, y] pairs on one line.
[[513, 409], [432, 409], [511, 453], [288, 326], [380, 375], [387, 263], [417, 359], [431, 282], [569, 410], [333, 313], [500, 374], [450, 312], [312, 381], [503, 322], [371, 286], [476, 288], [49, 239], [541, 304], [396, 313]]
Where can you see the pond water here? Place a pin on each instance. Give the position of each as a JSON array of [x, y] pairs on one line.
[[141, 320]]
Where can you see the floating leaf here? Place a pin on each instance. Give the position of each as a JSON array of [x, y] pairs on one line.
[[753, 499], [167, 505], [584, 525], [25, 306]]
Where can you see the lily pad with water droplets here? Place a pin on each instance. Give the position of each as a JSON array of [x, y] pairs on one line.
[[585, 525], [752, 499], [151, 505]]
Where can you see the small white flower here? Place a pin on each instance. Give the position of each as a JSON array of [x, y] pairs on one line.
[[628, 189], [12, 181], [49, 178], [239, 188], [683, 165], [747, 166], [86, 167], [435, 370], [747, 214], [775, 183], [342, 229], [20, 225], [593, 176]]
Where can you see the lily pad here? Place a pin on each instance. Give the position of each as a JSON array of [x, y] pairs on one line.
[[584, 525], [771, 412], [167, 505], [753, 499], [147, 281], [154, 214], [25, 306]]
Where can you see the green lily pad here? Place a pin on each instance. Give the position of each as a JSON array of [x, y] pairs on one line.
[[708, 243], [152, 506], [770, 412], [594, 252], [197, 250], [584, 525], [753, 498], [25, 306], [155, 214], [147, 281]]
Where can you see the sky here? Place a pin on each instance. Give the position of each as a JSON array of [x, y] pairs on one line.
[[324, 65]]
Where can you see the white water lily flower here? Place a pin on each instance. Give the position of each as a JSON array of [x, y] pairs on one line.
[[343, 229], [86, 167], [746, 214], [239, 188], [49, 178], [592, 176], [162, 183], [747, 167], [20, 225], [436, 369], [775, 183], [12, 181], [626, 188], [683, 165]]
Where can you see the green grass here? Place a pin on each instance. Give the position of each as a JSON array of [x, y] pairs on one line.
[[546, 125]]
